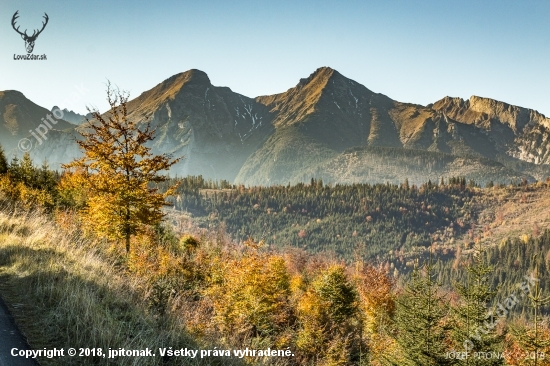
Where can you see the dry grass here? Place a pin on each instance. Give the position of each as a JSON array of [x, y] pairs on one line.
[[65, 292]]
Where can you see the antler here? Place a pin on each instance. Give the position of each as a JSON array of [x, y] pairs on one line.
[[34, 35], [15, 16]]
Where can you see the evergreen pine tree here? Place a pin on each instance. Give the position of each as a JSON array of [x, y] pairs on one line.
[[27, 171], [46, 178], [532, 340], [420, 319], [14, 169], [474, 323]]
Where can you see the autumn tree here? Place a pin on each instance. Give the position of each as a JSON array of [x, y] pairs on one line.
[[328, 315], [257, 304], [377, 305], [119, 171], [32, 186]]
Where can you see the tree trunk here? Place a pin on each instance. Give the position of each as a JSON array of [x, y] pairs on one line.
[[127, 229]]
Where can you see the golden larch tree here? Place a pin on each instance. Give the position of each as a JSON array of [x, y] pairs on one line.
[[118, 173]]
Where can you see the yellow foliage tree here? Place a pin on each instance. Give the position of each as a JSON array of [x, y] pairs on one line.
[[377, 306], [117, 171], [257, 300], [375, 290]]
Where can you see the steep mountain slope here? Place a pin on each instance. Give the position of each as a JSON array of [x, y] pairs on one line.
[[323, 115], [326, 126], [214, 128], [289, 155], [18, 115], [515, 132], [335, 114], [335, 111]]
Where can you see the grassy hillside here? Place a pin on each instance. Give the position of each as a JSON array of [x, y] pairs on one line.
[[201, 291], [66, 291]]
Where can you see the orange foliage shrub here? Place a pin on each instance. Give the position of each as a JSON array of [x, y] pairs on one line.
[[518, 355], [376, 294]]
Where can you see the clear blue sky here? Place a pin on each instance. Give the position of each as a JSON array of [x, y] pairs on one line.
[[412, 51]]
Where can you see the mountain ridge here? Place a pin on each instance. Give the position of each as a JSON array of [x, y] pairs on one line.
[[310, 128]]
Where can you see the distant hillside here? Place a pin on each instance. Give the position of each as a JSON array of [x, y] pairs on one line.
[[327, 126], [386, 164], [19, 116], [341, 219]]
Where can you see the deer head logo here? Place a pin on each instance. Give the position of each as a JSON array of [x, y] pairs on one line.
[[29, 40]]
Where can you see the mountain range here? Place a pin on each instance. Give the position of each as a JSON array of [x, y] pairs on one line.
[[327, 126]]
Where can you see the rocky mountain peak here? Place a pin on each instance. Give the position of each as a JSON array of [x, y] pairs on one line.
[[168, 90], [484, 111], [449, 103], [325, 91], [298, 133], [72, 116], [515, 117], [321, 75], [324, 79], [174, 83], [193, 76]]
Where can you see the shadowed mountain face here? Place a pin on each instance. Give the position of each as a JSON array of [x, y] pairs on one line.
[[18, 116], [214, 128], [332, 127]]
